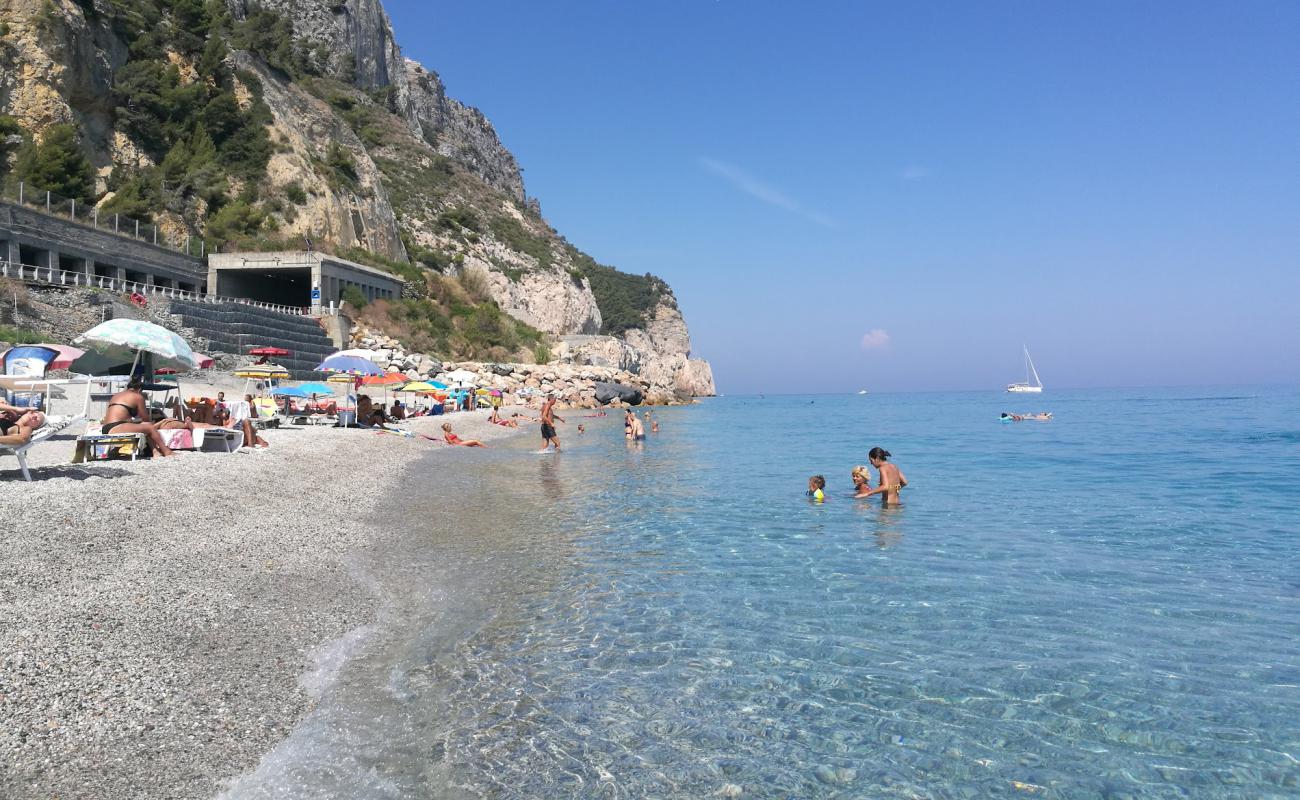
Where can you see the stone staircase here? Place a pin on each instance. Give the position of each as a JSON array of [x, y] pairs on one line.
[[234, 328]]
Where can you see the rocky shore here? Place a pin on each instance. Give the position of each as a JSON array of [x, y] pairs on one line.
[[156, 616], [581, 377]]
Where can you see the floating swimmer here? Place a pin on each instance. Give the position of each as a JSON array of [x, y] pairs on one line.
[[817, 489], [1042, 416]]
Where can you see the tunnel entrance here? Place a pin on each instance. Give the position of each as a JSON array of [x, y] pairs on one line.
[[285, 287]]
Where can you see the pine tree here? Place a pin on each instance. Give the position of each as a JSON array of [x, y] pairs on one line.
[[57, 165]]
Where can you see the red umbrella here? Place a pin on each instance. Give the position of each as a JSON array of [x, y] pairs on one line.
[[204, 361], [269, 351], [165, 371]]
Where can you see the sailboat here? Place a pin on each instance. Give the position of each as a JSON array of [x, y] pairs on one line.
[[1035, 387]]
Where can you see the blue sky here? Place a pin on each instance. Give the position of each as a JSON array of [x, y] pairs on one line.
[[896, 196]]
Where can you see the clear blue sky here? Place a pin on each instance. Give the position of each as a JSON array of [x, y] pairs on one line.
[[895, 196]]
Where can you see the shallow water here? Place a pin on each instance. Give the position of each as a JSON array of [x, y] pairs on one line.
[[1105, 605]]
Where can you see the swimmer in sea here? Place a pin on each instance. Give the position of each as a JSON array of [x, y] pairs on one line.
[[817, 489], [891, 478], [861, 477]]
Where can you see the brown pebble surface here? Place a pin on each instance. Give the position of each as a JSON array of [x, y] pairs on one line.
[[155, 616]]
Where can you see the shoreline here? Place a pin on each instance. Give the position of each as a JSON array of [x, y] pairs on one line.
[[173, 642]]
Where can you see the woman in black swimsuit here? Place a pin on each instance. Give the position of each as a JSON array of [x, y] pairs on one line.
[[127, 413], [17, 424]]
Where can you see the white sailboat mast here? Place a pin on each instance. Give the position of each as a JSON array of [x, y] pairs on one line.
[[1029, 368]]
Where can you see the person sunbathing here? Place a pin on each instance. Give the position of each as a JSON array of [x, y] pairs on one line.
[[18, 424], [128, 413], [368, 413], [496, 419], [453, 439]]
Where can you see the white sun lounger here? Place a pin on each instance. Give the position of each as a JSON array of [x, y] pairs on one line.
[[51, 427]]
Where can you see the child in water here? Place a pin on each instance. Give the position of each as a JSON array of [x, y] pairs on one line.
[[817, 488]]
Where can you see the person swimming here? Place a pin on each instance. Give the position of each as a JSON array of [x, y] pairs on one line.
[[817, 488]]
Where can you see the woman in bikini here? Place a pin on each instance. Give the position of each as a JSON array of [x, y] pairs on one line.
[[891, 478], [18, 424], [128, 413], [453, 439]]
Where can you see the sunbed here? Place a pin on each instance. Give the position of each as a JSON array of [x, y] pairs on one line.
[[52, 426]]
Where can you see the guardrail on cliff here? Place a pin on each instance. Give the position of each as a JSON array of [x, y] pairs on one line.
[[87, 214], [58, 277]]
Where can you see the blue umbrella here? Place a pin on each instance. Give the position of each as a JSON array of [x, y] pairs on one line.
[[290, 391], [317, 388], [349, 365], [436, 385]]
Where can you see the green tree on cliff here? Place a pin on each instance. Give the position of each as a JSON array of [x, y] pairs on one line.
[[57, 165]]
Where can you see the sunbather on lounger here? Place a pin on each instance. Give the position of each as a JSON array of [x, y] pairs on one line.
[[18, 424], [127, 413]]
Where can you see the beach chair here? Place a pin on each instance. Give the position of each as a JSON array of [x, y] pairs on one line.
[[26, 361], [267, 413], [52, 426], [95, 446]]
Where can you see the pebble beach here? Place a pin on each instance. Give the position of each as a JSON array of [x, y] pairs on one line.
[[158, 618]]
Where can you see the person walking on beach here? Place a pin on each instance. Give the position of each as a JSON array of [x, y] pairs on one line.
[[891, 478], [548, 425]]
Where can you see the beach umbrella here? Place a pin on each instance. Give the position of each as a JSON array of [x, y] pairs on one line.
[[462, 376], [66, 355], [437, 385], [118, 337], [348, 365], [387, 379], [205, 362], [165, 371], [496, 393], [355, 353], [290, 391], [316, 388], [263, 372], [420, 387], [269, 351]]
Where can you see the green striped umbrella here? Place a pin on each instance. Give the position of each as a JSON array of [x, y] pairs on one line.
[[130, 337]]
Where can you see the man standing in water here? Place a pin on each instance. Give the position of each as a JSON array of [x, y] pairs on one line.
[[548, 424]]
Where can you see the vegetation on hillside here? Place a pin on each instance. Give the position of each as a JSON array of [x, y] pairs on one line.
[[457, 319], [625, 300], [57, 164]]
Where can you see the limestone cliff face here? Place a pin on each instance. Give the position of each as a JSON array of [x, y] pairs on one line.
[[458, 131], [304, 128], [358, 37], [660, 353], [56, 65]]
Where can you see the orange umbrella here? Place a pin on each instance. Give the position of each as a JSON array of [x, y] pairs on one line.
[[387, 379]]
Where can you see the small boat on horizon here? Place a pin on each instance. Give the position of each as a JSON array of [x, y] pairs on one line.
[[862, 391], [1035, 387]]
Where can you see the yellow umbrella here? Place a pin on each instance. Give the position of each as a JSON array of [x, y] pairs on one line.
[[481, 391], [263, 372], [418, 386]]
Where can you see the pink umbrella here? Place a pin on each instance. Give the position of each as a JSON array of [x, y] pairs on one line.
[[66, 355], [204, 361]]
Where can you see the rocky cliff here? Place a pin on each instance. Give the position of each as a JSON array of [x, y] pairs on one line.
[[262, 122]]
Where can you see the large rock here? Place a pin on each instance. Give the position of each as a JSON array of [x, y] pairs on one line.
[[609, 392]]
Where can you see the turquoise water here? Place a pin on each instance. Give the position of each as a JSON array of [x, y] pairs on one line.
[[1105, 605]]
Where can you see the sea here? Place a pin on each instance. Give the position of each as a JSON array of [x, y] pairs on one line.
[[1106, 605]]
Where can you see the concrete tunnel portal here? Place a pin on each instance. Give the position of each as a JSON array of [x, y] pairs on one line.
[[284, 286]]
